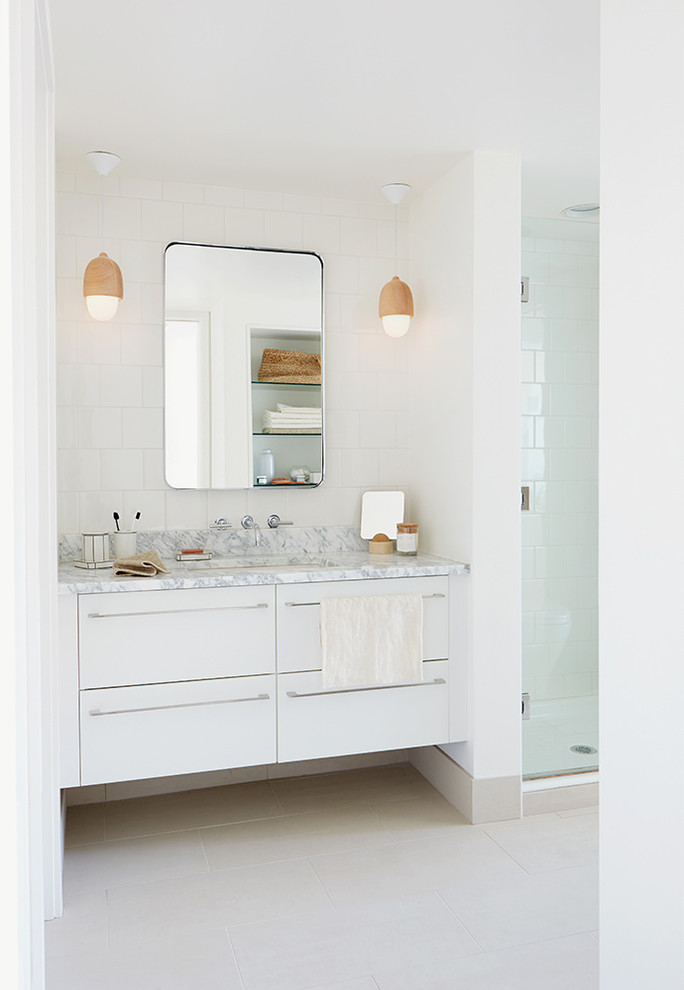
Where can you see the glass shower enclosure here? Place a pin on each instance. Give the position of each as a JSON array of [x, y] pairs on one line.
[[559, 462]]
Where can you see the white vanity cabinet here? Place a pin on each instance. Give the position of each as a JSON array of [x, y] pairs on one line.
[[176, 682], [157, 636], [299, 644], [163, 729], [315, 723], [165, 682]]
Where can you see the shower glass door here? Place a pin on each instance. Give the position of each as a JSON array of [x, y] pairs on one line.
[[559, 462]]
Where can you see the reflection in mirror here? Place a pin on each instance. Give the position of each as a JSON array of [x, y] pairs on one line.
[[243, 391]]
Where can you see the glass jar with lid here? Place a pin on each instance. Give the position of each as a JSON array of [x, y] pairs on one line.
[[407, 538]]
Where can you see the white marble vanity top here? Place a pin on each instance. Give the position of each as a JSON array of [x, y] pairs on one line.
[[260, 569]]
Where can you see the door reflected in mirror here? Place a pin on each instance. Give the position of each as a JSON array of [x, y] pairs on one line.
[[243, 386]]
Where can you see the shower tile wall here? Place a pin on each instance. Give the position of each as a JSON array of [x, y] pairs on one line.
[[559, 458]]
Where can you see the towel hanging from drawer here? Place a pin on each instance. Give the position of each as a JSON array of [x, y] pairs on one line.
[[371, 640]]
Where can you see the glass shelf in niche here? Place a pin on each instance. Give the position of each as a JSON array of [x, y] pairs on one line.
[[286, 385], [271, 436], [291, 484]]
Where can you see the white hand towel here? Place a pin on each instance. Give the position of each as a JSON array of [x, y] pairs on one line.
[[281, 407], [372, 640], [272, 419], [313, 415]]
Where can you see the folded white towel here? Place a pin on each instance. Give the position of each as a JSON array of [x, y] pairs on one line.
[[281, 407], [282, 420], [306, 427], [372, 640], [291, 416], [309, 431]]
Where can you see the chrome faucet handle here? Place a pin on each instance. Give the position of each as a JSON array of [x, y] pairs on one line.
[[249, 522], [220, 523], [274, 521]]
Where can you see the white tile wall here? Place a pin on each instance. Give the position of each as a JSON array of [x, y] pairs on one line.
[[559, 431], [110, 374]]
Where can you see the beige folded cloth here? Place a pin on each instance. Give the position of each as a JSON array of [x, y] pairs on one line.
[[374, 639], [145, 564]]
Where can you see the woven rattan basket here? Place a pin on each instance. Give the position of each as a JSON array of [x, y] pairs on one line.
[[293, 367]]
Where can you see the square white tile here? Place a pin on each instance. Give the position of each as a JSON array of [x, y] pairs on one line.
[[310, 949], [192, 904], [203, 961]]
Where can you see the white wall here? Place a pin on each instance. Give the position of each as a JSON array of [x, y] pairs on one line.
[[559, 457], [641, 522], [110, 374], [27, 496], [465, 402]]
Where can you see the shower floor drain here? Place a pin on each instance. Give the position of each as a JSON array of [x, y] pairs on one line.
[[583, 749]]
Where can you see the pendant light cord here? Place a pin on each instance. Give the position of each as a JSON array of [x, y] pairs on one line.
[[396, 264], [101, 231]]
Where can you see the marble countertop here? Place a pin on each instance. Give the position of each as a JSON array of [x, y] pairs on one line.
[[260, 569]]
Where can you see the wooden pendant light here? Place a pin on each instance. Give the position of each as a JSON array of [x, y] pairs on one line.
[[102, 279], [395, 299], [395, 306]]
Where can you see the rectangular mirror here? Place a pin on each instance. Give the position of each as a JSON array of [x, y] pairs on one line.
[[243, 387]]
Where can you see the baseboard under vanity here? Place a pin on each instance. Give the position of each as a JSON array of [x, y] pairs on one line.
[[122, 790], [480, 800]]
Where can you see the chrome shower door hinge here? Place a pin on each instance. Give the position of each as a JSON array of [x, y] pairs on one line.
[[526, 704], [525, 289]]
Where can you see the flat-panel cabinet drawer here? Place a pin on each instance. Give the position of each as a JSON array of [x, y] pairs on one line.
[[299, 644], [314, 722], [151, 637], [161, 729]]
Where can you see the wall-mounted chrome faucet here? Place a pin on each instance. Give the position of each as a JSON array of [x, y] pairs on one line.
[[249, 522], [274, 521]]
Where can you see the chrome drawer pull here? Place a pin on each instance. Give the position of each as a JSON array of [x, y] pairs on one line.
[[175, 611], [301, 604], [192, 704], [375, 687]]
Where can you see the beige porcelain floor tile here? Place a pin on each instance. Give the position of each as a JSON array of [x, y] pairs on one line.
[[82, 927], [203, 962], [311, 950], [513, 909], [549, 842], [365, 983], [421, 818], [133, 861], [193, 904], [363, 875], [335, 790], [292, 837], [84, 824], [190, 809], [559, 964], [575, 812]]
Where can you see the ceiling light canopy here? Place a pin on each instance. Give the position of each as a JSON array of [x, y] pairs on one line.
[[102, 279], [583, 211], [395, 306]]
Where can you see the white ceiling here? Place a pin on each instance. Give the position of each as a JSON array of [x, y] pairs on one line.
[[332, 98]]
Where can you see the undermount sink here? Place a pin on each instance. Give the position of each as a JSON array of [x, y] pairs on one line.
[[264, 563]]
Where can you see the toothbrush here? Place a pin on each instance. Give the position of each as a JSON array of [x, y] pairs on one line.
[[116, 520], [135, 519]]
